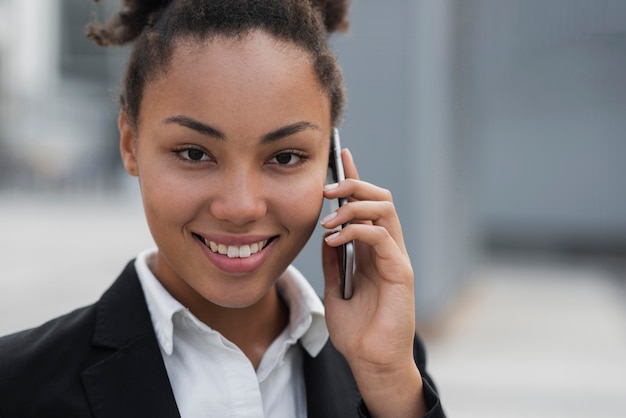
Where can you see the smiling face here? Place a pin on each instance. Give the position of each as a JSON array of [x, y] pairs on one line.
[[231, 151]]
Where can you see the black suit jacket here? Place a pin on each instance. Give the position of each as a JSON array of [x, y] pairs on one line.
[[104, 361]]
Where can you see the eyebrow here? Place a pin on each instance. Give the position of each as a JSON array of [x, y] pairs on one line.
[[212, 132], [288, 130], [195, 125]]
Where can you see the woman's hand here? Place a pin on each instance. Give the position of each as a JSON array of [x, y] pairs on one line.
[[374, 330]]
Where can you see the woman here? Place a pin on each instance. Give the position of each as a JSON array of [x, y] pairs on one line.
[[226, 118]]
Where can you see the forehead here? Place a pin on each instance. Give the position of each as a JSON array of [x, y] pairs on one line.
[[229, 78], [251, 57]]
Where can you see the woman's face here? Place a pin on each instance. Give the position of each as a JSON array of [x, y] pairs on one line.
[[231, 153]]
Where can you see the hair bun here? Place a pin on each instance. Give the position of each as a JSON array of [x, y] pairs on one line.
[[126, 25], [335, 13]]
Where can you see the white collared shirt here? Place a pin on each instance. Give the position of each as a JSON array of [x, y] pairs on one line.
[[210, 376]]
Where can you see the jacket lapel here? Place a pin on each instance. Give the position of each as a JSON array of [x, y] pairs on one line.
[[132, 381], [330, 387]]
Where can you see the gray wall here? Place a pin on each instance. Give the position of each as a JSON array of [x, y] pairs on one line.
[[542, 95]]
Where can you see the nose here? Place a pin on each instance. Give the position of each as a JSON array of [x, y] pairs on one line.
[[239, 197]]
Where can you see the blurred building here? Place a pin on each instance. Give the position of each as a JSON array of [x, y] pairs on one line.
[[541, 99], [57, 93]]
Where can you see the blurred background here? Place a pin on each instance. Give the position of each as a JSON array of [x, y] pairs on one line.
[[497, 124]]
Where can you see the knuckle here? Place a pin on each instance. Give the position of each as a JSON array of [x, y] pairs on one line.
[[380, 232], [388, 207], [347, 210], [350, 182], [387, 196]]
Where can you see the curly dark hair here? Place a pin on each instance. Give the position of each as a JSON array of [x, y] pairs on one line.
[[154, 26]]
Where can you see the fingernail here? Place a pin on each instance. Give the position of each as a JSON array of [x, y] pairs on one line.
[[331, 237], [328, 218], [331, 186]]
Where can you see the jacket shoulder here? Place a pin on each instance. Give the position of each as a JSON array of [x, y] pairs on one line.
[[42, 365], [40, 368], [44, 340]]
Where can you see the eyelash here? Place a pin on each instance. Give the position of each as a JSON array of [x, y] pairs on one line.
[[302, 157], [179, 151]]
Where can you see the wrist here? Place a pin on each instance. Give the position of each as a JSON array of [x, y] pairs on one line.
[[392, 390]]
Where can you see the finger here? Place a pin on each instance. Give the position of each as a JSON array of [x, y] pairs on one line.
[[375, 213], [390, 260], [357, 190], [375, 236], [367, 204], [349, 167]]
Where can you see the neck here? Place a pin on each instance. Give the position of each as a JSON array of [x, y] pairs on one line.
[[253, 328]]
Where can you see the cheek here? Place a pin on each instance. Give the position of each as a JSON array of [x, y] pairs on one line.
[[302, 203], [167, 199]]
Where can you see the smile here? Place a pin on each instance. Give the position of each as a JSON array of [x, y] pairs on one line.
[[234, 251]]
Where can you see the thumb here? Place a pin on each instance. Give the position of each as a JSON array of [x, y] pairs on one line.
[[330, 265]]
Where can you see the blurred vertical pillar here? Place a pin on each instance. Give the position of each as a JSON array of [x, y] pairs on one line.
[[439, 231], [4, 40], [33, 47]]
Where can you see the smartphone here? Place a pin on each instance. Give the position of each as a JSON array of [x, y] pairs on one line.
[[346, 254]]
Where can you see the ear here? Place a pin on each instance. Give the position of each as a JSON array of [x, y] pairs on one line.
[[128, 145]]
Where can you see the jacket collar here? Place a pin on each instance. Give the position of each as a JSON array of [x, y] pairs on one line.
[[132, 381]]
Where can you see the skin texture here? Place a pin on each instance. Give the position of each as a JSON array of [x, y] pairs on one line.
[[238, 192], [232, 145]]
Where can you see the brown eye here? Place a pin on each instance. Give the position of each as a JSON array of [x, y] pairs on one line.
[[284, 158], [195, 154], [192, 154], [288, 158]]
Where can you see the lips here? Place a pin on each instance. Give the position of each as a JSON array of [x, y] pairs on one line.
[[234, 251]]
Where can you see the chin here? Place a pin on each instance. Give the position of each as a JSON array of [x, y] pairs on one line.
[[239, 298]]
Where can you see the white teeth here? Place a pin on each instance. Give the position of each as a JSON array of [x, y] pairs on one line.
[[234, 251], [244, 251]]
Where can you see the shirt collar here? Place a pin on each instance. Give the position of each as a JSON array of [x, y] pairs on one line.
[[161, 304], [306, 311]]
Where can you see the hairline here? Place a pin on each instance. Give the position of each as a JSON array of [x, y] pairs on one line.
[[199, 41]]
